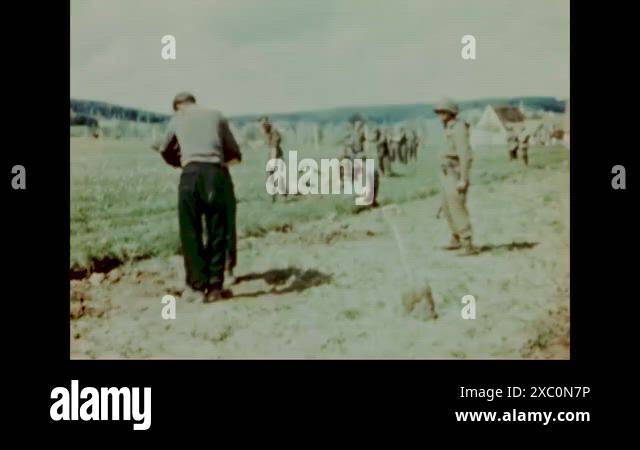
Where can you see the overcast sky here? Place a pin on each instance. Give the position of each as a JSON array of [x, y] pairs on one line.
[[257, 56]]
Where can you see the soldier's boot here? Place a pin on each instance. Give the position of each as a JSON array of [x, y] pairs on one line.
[[468, 248], [455, 243]]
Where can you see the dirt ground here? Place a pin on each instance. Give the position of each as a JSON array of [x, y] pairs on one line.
[[333, 288]]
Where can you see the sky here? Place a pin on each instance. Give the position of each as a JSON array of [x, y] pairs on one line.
[[262, 56]]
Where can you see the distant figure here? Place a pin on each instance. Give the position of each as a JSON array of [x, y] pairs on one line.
[[273, 140], [519, 139], [523, 145], [354, 148], [402, 146], [354, 141], [413, 144], [456, 168], [200, 142], [391, 143], [382, 151], [512, 142]]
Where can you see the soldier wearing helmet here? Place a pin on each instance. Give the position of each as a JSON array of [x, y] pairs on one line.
[[456, 167]]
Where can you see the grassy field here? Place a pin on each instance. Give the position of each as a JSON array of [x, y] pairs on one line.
[[316, 279], [123, 197]]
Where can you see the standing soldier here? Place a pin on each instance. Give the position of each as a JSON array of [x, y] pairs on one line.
[[273, 141], [519, 143], [382, 152], [414, 143], [356, 140], [402, 145], [199, 140], [456, 166], [391, 144], [355, 149]]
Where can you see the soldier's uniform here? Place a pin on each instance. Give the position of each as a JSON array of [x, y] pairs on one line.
[[518, 140], [354, 148], [382, 152], [456, 165], [354, 141], [402, 146], [414, 143]]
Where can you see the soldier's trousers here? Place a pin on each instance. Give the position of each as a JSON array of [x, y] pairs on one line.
[[384, 162], [205, 199], [454, 203], [523, 149]]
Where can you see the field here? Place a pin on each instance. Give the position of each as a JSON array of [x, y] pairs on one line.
[[318, 277]]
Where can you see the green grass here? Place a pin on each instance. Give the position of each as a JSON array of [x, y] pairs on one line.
[[123, 196]]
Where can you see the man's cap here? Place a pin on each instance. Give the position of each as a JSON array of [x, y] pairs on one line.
[[182, 97], [447, 104], [263, 118]]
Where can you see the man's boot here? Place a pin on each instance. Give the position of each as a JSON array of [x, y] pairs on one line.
[[468, 248], [192, 295], [454, 244], [217, 293]]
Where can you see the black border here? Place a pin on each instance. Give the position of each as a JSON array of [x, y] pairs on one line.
[[215, 396]]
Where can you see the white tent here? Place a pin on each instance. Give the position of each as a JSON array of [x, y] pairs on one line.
[[489, 131]]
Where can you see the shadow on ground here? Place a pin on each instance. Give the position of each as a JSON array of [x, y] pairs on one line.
[[284, 281], [509, 246]]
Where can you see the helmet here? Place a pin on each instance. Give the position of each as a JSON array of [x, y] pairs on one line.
[[447, 105], [181, 98]]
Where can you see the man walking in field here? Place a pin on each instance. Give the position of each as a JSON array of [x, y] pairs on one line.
[[205, 194], [456, 166]]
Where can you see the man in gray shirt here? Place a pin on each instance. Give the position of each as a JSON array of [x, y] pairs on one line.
[[199, 140]]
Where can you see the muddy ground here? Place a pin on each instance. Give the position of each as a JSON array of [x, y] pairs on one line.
[[333, 288]]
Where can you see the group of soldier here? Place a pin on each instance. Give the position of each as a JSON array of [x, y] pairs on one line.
[[200, 142], [401, 145]]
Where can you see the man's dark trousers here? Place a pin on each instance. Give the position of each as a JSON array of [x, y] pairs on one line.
[[205, 197]]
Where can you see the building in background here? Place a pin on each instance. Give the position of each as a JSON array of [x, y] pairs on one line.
[[82, 126], [492, 129]]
